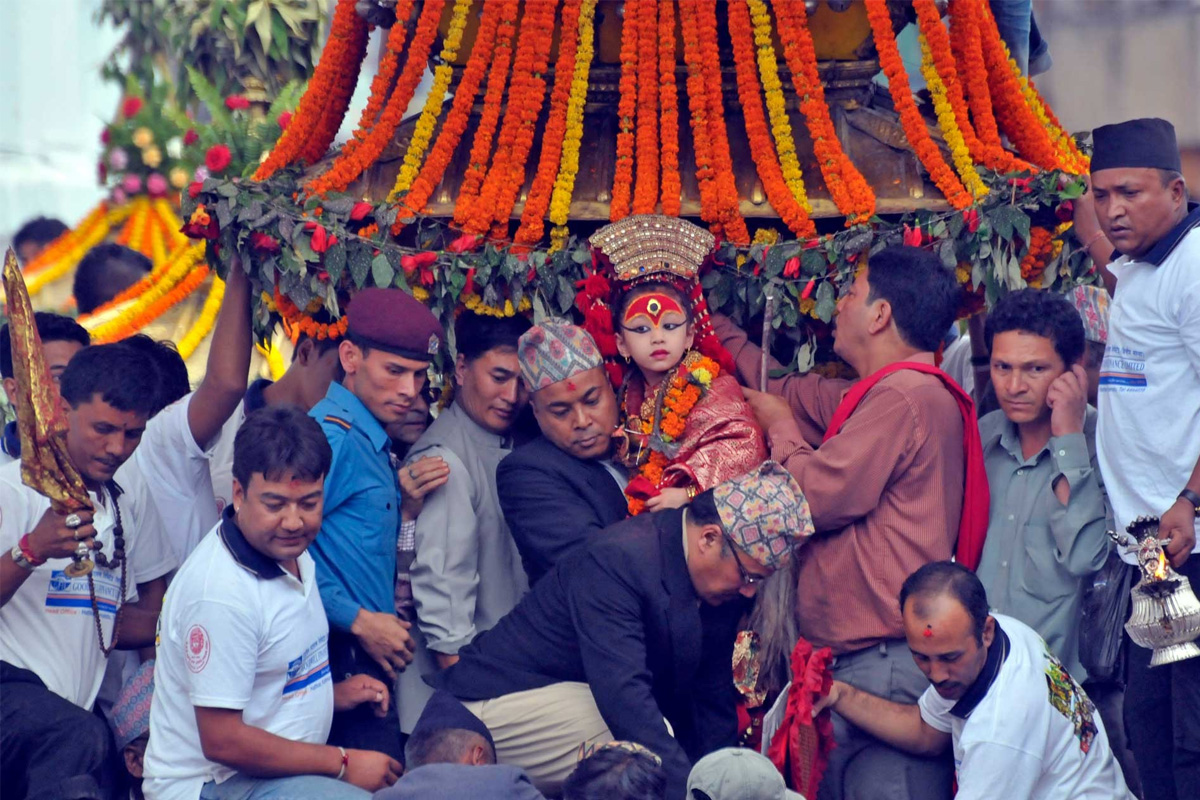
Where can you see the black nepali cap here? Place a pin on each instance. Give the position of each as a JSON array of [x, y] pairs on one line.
[[1148, 143], [444, 712]]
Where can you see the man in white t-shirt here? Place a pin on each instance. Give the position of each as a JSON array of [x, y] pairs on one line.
[[243, 697], [1148, 431], [1021, 727], [51, 657]]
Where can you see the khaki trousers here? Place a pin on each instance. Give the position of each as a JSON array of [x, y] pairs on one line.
[[542, 730]]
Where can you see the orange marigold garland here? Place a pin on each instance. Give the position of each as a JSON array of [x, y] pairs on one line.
[[296, 320], [144, 313], [622, 188], [762, 149], [455, 125], [668, 102], [732, 223], [698, 116], [538, 203], [910, 116], [481, 146], [1033, 265], [353, 160], [1013, 114], [320, 112], [991, 155], [526, 96], [645, 195], [850, 191]]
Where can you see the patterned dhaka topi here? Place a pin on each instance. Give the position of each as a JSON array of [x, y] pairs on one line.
[[131, 711], [554, 351], [1092, 304], [765, 513]]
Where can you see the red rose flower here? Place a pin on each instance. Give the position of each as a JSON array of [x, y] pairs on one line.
[[191, 137], [360, 211], [194, 230], [131, 107], [971, 217], [1065, 212], [236, 102], [264, 243], [102, 172], [194, 189], [463, 243], [420, 261], [105, 135], [319, 241], [285, 119], [217, 158], [792, 268]]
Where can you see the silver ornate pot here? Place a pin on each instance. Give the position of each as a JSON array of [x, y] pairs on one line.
[[1165, 614]]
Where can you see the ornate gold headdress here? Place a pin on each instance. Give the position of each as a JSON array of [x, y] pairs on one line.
[[648, 244]]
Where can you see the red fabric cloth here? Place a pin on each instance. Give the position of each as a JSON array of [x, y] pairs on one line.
[[800, 748], [972, 526]]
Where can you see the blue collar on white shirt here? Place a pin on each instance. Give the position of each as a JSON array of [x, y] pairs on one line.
[[1168, 243]]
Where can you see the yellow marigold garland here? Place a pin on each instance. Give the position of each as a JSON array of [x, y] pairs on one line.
[[781, 126], [183, 267], [204, 323], [959, 152], [568, 168], [474, 303], [1072, 158], [423, 131]]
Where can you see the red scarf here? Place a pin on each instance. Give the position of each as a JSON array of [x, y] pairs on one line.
[[972, 527]]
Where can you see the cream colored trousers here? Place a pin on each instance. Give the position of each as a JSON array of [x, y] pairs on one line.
[[542, 730]]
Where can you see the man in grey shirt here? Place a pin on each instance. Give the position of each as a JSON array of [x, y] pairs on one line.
[[1047, 530], [467, 572]]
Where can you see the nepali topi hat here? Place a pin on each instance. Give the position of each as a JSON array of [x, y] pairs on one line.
[[765, 513], [1145, 143]]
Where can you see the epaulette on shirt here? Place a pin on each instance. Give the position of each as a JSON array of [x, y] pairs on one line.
[[341, 423]]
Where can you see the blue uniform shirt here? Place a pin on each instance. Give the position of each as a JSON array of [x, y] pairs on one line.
[[355, 552]]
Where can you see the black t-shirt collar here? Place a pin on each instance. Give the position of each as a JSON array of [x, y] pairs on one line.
[[997, 653], [246, 556]]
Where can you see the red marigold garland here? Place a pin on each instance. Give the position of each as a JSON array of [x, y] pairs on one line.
[[533, 223], [645, 195], [992, 156], [850, 191], [481, 145], [320, 113], [668, 102], [732, 222], [622, 188], [455, 124], [1013, 114], [353, 160], [910, 116], [762, 148], [526, 95]]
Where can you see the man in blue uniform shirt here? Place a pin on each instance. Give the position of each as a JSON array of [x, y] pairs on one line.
[[388, 346]]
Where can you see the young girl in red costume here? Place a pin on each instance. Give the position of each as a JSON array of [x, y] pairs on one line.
[[686, 424]]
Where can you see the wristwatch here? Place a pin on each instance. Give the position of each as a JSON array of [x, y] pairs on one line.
[[1191, 497], [20, 560]]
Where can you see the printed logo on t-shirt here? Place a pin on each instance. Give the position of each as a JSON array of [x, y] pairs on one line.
[[1070, 700], [1123, 370], [67, 595], [197, 648], [309, 670]]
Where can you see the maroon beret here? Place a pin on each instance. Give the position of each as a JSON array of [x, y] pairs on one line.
[[395, 321]]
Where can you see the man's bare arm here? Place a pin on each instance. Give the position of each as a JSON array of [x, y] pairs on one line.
[[897, 724]]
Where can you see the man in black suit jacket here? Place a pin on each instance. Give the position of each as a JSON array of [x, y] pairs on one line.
[[559, 489], [633, 631]]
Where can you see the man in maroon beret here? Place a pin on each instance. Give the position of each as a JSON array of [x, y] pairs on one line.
[[389, 344]]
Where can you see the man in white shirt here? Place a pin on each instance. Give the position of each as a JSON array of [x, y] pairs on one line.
[[1148, 431], [51, 624], [1019, 724], [244, 697]]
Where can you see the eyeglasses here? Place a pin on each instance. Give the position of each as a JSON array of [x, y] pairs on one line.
[[748, 578]]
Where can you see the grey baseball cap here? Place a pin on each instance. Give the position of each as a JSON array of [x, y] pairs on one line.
[[736, 773]]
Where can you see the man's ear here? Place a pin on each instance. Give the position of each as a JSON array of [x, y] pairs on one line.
[[305, 352], [350, 356], [712, 538], [460, 368], [881, 317], [239, 494], [10, 391], [989, 631], [133, 762]]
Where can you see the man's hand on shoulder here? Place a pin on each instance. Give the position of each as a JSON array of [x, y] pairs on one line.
[[370, 770], [386, 639], [768, 408]]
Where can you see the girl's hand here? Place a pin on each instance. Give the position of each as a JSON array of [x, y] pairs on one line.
[[672, 497]]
